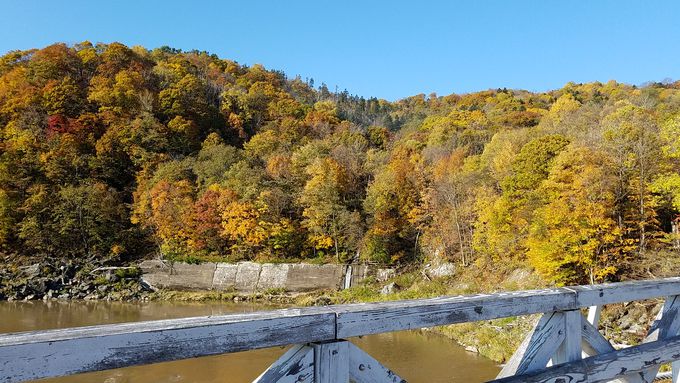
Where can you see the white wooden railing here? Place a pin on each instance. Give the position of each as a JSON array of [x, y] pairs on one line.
[[564, 346]]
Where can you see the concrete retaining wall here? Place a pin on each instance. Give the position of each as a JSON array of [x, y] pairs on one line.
[[251, 277]]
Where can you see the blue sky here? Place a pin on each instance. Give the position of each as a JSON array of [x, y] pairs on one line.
[[387, 49]]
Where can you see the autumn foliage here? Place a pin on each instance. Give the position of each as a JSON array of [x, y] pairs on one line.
[[120, 153]]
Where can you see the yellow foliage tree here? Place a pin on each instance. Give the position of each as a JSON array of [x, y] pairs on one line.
[[241, 222], [171, 204], [574, 237]]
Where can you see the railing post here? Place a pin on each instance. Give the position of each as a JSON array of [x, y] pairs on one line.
[[327, 362], [666, 325], [669, 309], [331, 362], [570, 350]]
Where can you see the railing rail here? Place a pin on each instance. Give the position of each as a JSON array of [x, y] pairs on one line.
[[40, 354]]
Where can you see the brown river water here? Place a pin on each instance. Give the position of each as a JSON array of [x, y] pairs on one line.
[[415, 356]]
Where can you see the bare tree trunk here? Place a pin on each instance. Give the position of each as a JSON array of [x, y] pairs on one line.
[[81, 228], [415, 245], [461, 244], [641, 193], [337, 253]]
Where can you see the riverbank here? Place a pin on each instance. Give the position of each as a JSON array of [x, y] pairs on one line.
[[70, 280], [496, 339], [623, 324], [54, 279]]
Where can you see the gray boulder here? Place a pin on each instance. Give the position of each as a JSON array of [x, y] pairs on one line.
[[390, 288]]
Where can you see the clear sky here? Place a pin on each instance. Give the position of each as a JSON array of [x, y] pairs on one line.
[[388, 49]]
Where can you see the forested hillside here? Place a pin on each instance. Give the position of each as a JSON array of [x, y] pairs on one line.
[[121, 153]]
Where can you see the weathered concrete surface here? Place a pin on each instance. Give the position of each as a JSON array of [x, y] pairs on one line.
[[360, 272], [247, 275], [177, 275], [306, 277], [224, 278], [273, 276], [251, 277]]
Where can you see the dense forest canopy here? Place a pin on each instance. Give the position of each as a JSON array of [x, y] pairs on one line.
[[121, 153]]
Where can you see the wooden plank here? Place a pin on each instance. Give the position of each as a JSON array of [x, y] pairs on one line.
[[570, 349], [364, 369], [35, 355], [597, 295], [331, 362], [60, 352], [593, 342], [666, 325], [593, 318], [295, 366], [538, 346], [364, 319], [372, 318], [605, 367]]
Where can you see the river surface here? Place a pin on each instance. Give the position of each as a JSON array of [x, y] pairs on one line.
[[415, 356]]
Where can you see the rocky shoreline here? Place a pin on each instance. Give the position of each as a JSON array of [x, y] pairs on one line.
[[304, 284], [68, 279]]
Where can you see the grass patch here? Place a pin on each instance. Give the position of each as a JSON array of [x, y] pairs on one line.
[[192, 296], [129, 273], [496, 339]]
